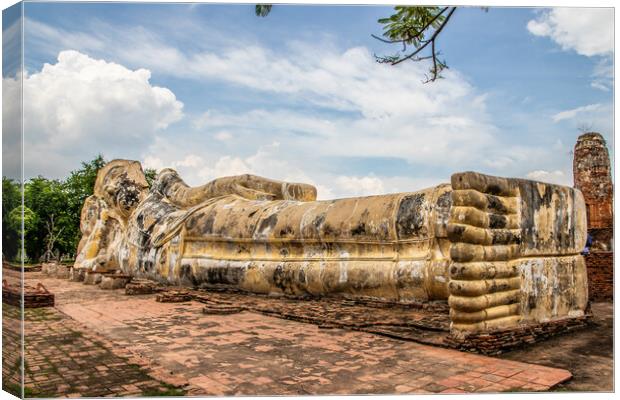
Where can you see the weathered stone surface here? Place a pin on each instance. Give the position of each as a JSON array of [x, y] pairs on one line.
[[176, 296], [142, 286], [77, 274], [56, 270], [92, 278], [503, 252], [515, 251], [114, 281]]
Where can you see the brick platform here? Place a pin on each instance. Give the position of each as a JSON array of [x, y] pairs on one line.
[[498, 341], [600, 266], [34, 297], [247, 353]]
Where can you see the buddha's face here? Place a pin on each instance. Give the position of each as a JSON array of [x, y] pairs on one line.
[[123, 186]]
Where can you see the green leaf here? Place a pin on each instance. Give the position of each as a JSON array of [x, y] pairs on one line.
[[262, 10]]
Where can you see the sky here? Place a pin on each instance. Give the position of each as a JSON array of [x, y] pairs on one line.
[[212, 90]]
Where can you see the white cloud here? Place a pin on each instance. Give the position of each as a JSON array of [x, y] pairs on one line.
[[11, 127], [81, 106], [588, 31], [360, 186], [558, 177], [223, 136], [571, 114], [603, 75]]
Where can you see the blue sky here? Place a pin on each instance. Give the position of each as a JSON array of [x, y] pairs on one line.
[[213, 90]]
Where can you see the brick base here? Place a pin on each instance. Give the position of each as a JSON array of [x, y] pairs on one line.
[[600, 266], [499, 341], [32, 299]]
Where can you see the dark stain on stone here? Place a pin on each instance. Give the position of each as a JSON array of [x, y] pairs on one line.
[[284, 279], [226, 275], [191, 223], [128, 194], [455, 232], [318, 221], [494, 189], [208, 224], [268, 223], [505, 237], [360, 229], [497, 221], [410, 218], [328, 230], [287, 230], [495, 204], [533, 202]]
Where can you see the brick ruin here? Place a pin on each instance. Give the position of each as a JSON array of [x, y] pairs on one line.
[[592, 175]]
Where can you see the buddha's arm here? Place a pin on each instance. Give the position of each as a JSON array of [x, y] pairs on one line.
[[247, 186]]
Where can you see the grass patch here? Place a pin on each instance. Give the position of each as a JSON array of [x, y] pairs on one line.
[[166, 390], [13, 388], [41, 314]]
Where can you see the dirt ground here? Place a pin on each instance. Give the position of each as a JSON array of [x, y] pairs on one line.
[[586, 353]]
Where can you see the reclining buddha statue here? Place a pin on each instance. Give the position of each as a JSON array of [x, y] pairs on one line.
[[502, 252]]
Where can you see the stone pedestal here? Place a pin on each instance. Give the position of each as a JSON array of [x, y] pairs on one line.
[[49, 268], [92, 278], [62, 271], [114, 281], [141, 286], [77, 274]]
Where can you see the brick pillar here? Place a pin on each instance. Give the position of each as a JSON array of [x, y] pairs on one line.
[[592, 175]]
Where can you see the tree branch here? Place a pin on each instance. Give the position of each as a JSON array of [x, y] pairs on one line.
[[431, 40]]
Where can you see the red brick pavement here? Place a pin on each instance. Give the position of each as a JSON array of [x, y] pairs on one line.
[[253, 354]]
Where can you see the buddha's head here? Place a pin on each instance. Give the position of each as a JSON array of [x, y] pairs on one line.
[[122, 185]]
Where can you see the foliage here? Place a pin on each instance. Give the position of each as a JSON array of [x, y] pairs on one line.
[[48, 203], [29, 217], [11, 198], [14, 222], [419, 27], [46, 198], [408, 22], [262, 10], [150, 174]]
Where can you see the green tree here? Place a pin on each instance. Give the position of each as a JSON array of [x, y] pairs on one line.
[[11, 198], [30, 220], [48, 200]]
